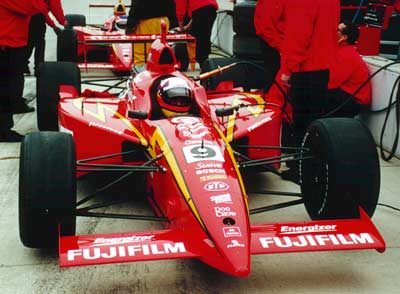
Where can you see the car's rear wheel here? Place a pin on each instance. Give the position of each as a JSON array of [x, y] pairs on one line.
[[343, 173], [67, 46], [47, 188], [78, 20], [50, 76], [248, 74]]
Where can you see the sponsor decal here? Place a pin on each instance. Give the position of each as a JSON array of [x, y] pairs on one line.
[[223, 198], [216, 186], [197, 142], [232, 232], [124, 250], [96, 65], [316, 240], [212, 177], [93, 124], [224, 212], [210, 171], [306, 229], [235, 243], [202, 165], [203, 152], [190, 127], [121, 240]]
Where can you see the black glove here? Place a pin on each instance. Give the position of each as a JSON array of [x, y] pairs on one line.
[[57, 30]]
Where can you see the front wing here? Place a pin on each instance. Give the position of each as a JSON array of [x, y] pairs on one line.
[[349, 234]]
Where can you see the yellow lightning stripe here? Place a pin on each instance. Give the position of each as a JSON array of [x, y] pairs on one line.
[[254, 110], [100, 115], [230, 152], [114, 47], [158, 138]]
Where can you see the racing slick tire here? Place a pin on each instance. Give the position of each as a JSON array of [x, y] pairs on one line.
[[67, 46], [243, 18], [47, 188], [343, 172], [243, 75], [78, 20], [50, 76]]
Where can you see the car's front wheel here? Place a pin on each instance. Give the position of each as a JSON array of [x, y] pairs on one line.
[[343, 172], [47, 188]]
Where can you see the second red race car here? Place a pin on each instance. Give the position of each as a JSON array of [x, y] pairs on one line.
[[189, 152], [93, 46]]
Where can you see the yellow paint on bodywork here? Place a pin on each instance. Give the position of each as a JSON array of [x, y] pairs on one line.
[[101, 116], [158, 138], [254, 110], [232, 156]]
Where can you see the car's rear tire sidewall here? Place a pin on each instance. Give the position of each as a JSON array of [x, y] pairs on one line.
[[67, 46], [51, 75], [344, 172], [73, 20], [47, 188]]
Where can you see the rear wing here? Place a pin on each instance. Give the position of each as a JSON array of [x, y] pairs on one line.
[[117, 39], [105, 5]]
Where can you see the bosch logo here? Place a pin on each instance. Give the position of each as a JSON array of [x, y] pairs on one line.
[[216, 186]]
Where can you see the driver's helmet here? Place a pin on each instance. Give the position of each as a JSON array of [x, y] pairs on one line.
[[174, 96], [120, 22], [119, 9]]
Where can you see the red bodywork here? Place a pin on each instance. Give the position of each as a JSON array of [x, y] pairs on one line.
[[200, 190], [97, 48]]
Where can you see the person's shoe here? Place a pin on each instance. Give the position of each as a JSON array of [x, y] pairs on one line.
[[11, 136], [27, 71], [22, 108], [292, 175]]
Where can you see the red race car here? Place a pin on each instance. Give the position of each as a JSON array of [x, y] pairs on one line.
[[90, 46], [188, 151]]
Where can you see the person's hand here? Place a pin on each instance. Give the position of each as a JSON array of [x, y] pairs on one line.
[[57, 30], [285, 80], [188, 26]]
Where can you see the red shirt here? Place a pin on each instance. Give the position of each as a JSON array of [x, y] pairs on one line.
[[56, 10], [348, 72], [188, 6], [269, 21], [396, 5], [14, 20], [310, 40]]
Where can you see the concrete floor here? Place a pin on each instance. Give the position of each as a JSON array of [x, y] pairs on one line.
[[23, 270]]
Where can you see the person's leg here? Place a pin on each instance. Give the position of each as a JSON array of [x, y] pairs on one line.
[[39, 36], [18, 61], [308, 95], [202, 23], [6, 119], [272, 62], [147, 26], [341, 104]]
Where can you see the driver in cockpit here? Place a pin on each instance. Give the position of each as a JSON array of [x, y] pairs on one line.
[[174, 96]]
